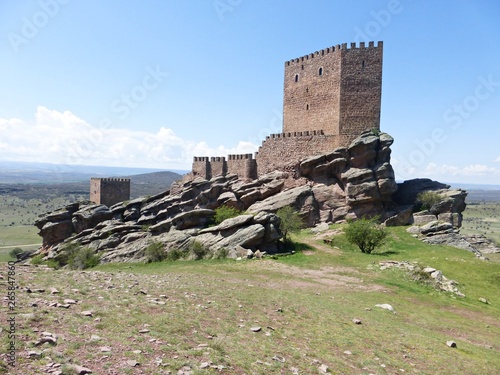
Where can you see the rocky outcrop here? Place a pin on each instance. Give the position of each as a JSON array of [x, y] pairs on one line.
[[351, 182]]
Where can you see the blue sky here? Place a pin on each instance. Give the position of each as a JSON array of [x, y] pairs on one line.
[[154, 83]]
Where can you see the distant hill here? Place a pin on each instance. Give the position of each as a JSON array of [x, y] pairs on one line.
[[151, 183], [14, 172], [140, 185]]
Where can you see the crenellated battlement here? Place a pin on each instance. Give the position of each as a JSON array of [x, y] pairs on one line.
[[201, 158], [111, 179], [240, 156], [334, 49], [306, 133]]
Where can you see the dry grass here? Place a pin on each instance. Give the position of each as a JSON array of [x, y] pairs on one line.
[[202, 312]]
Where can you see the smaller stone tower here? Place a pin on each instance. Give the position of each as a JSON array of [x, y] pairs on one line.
[[109, 191]]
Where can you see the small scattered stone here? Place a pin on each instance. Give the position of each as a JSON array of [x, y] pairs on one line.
[[386, 306], [145, 330], [80, 370], [34, 354], [324, 369], [54, 291], [95, 338], [87, 313], [347, 352], [105, 349], [204, 365], [132, 363], [356, 321], [70, 301], [137, 351], [451, 344], [484, 300], [256, 329]]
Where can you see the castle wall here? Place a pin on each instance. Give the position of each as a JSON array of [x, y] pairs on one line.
[[311, 100], [244, 165], [280, 151], [109, 191], [201, 167]]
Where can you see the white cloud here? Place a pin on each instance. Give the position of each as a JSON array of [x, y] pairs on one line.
[[471, 170], [63, 138]]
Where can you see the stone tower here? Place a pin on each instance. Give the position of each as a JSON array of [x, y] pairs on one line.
[[109, 191], [336, 90]]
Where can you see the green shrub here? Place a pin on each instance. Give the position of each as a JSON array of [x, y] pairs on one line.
[[366, 234], [198, 250], [37, 259], [155, 252], [16, 252], [221, 253], [83, 258], [174, 254], [291, 221], [427, 199], [224, 212], [75, 256]]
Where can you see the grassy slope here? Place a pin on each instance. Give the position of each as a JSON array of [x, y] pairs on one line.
[[304, 303]]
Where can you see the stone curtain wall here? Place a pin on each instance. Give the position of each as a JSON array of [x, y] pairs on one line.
[[281, 151], [109, 191], [245, 166], [361, 89], [337, 90]]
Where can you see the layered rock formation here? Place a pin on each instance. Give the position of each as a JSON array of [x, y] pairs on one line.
[[353, 182]]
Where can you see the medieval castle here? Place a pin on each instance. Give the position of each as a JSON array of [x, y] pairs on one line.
[[330, 97]]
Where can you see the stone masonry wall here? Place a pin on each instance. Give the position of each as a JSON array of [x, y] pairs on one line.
[[360, 90], [201, 167], [281, 150], [109, 191], [218, 166]]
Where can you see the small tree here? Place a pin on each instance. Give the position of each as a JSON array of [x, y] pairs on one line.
[[366, 234], [428, 198], [290, 221], [224, 212]]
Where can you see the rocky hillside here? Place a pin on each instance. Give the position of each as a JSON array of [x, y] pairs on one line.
[[347, 183]]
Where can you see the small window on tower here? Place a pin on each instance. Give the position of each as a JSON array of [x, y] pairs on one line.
[[320, 72], [307, 107], [363, 64], [296, 78]]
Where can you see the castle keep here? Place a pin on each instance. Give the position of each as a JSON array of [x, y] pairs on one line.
[[330, 97]]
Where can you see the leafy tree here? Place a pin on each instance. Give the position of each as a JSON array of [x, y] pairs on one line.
[[290, 221], [366, 234]]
